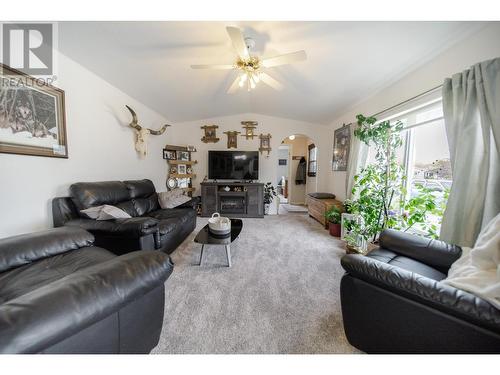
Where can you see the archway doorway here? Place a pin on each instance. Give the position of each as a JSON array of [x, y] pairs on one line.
[[297, 173]]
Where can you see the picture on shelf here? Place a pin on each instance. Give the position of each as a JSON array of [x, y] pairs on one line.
[[173, 169], [183, 155], [169, 154], [181, 169], [183, 182]]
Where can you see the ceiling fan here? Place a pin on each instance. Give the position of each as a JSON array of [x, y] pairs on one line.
[[250, 66]]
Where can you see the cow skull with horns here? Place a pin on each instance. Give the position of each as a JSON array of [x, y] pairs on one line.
[[142, 134]]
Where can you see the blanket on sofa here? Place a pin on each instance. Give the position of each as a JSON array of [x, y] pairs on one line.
[[478, 269]]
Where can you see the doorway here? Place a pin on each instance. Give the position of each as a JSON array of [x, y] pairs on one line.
[[297, 173]]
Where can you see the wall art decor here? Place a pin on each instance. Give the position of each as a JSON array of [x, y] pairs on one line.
[[32, 116], [210, 134], [181, 168], [249, 127], [183, 155], [169, 154], [232, 139], [142, 134], [341, 145], [265, 143]]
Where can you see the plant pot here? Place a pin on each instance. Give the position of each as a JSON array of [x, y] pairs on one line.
[[334, 229], [266, 208]]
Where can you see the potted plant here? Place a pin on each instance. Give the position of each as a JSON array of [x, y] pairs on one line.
[[269, 194], [332, 215]]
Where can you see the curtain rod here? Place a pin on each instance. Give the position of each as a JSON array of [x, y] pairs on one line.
[[405, 101]]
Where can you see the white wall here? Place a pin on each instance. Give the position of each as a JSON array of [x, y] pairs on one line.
[[279, 128], [483, 45], [100, 144], [282, 170]]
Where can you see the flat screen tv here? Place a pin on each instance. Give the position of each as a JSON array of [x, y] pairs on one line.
[[233, 165]]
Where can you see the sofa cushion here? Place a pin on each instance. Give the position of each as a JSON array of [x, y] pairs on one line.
[[167, 226], [322, 195], [181, 215], [90, 194], [143, 195], [140, 188], [105, 212], [27, 248], [24, 279], [406, 263]]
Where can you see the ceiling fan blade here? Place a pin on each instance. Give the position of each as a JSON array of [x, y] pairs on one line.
[[284, 59], [270, 81], [238, 41], [208, 66], [234, 86]]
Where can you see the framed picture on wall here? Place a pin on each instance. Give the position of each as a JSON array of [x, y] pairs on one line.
[[341, 146], [32, 116]]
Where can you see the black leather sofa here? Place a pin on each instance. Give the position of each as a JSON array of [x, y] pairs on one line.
[[393, 301], [149, 228], [61, 294]]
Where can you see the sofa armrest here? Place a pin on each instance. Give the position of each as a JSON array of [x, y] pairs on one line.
[[23, 249], [434, 253], [424, 290], [133, 227], [47, 315], [191, 203]]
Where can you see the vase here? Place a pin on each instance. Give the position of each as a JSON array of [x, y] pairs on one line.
[[266, 208], [334, 229]]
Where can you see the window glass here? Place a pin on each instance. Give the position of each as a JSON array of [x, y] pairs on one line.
[[424, 156]]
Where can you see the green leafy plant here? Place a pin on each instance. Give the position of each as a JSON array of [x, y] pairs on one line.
[[269, 193], [379, 194], [333, 215]]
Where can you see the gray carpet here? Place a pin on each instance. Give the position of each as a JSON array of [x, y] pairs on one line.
[[280, 296]]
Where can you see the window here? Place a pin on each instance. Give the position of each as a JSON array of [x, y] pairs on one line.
[[312, 165], [424, 154]]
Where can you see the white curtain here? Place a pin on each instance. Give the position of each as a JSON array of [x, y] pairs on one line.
[[357, 160], [471, 106]]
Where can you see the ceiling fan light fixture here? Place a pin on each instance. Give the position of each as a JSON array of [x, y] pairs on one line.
[[250, 66]]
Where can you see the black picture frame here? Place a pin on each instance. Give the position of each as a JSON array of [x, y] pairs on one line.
[[341, 148]]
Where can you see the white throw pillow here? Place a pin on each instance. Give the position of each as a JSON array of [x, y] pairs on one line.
[[172, 198], [105, 212]]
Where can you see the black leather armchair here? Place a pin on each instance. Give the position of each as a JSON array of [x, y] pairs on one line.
[[149, 228], [61, 294], [393, 301]]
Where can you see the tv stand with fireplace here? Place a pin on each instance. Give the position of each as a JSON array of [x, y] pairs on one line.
[[232, 199]]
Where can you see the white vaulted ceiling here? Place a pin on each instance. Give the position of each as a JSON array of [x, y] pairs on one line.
[[347, 62]]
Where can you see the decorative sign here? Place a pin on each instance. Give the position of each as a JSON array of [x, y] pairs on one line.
[[249, 127], [232, 139], [265, 143], [210, 134]]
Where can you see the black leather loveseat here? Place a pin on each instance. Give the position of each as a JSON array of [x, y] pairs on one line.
[[393, 301], [61, 294], [149, 228]]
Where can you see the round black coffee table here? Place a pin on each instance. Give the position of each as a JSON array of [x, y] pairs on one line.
[[204, 237]]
